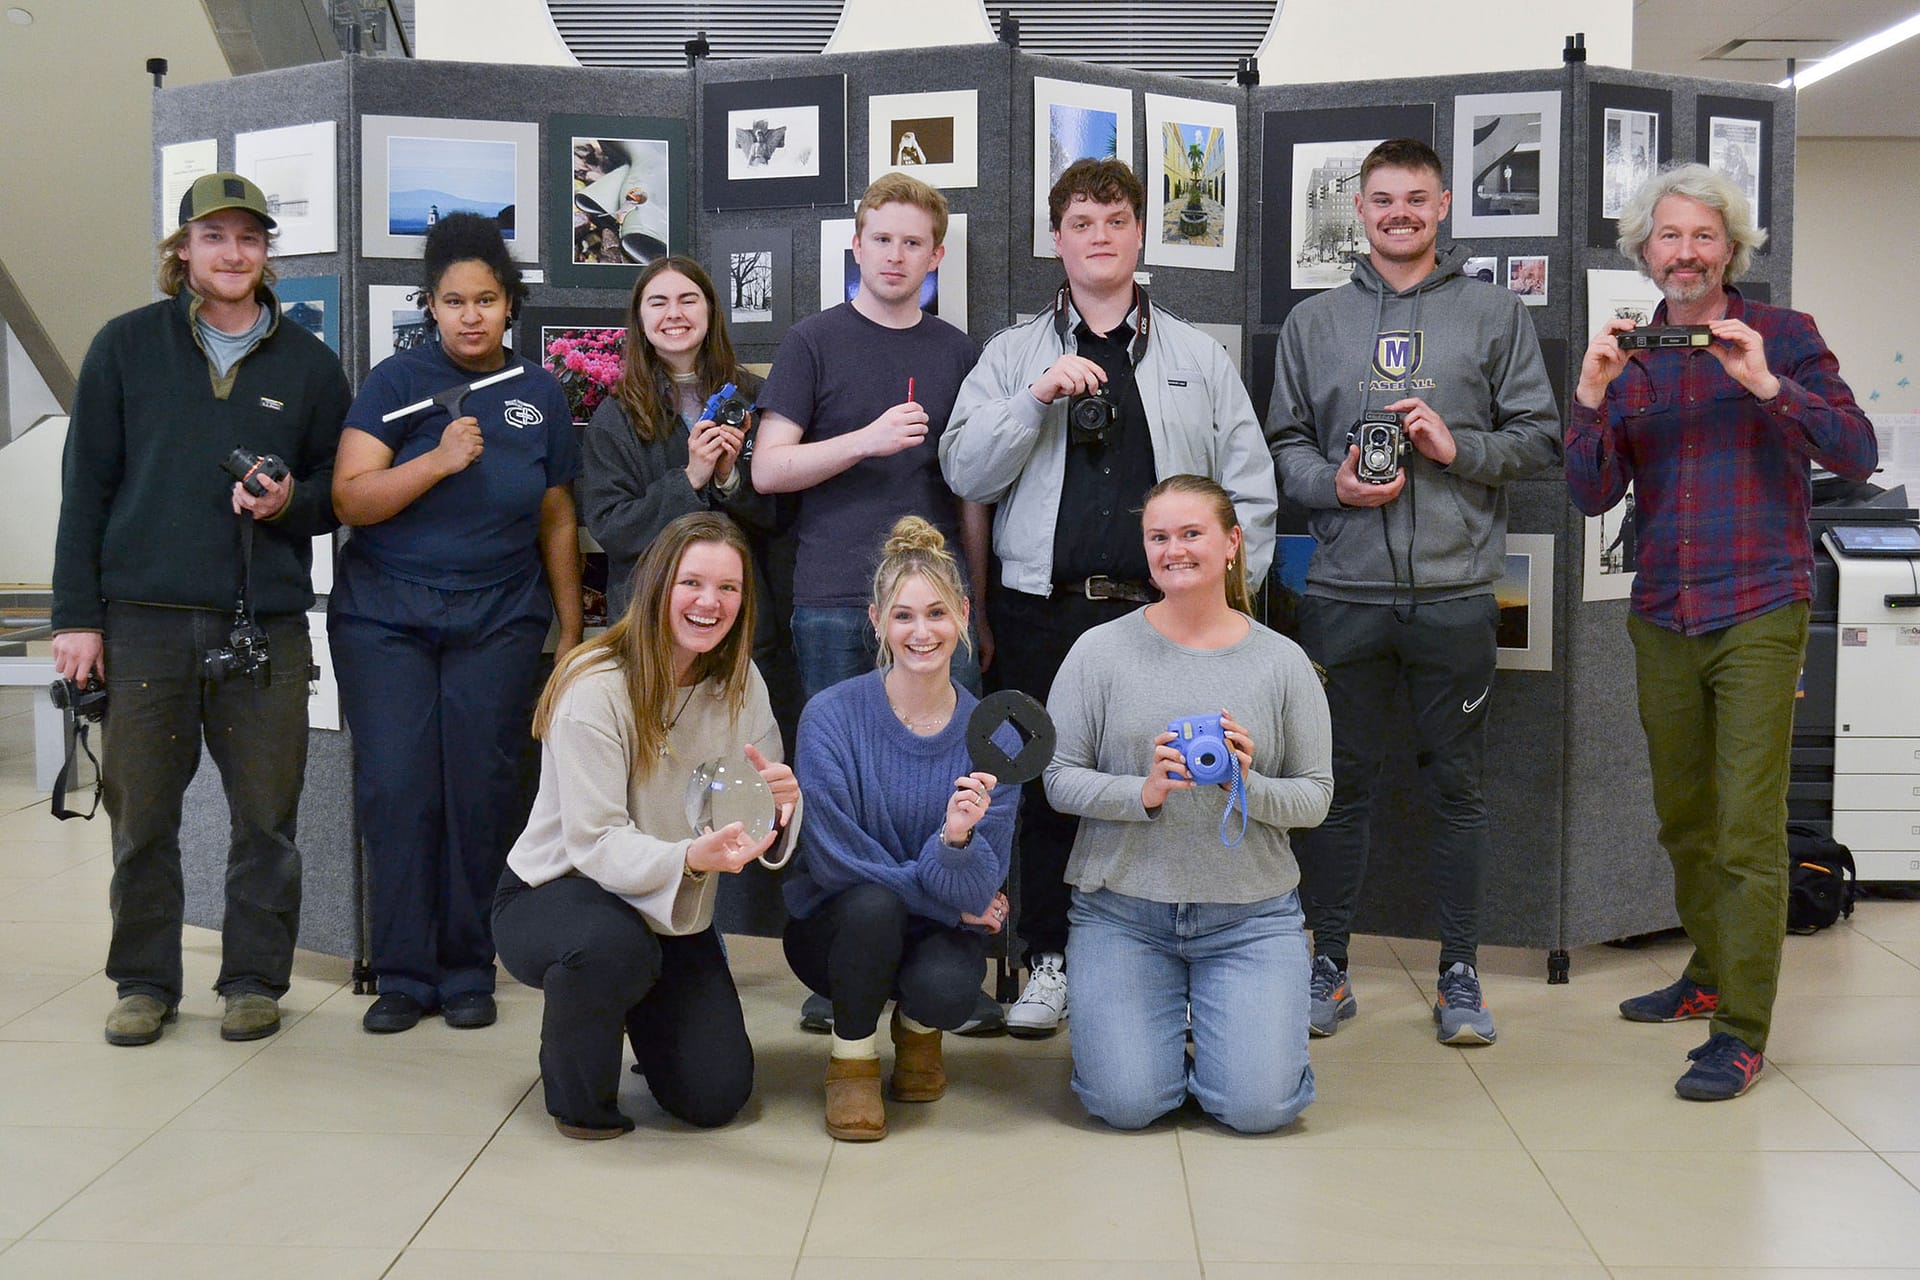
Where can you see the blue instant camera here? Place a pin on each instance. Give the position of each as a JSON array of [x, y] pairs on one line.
[[1203, 745]]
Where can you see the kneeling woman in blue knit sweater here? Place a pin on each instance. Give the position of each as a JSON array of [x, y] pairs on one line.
[[905, 846], [1168, 923]]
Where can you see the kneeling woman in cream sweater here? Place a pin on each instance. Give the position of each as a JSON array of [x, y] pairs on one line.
[[607, 901]]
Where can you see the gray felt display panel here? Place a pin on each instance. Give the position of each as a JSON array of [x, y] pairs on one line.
[[1575, 859]]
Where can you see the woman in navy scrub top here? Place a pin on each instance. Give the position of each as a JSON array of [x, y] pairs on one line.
[[463, 530]]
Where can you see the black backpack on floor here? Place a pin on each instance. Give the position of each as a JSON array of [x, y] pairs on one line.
[[1821, 883]]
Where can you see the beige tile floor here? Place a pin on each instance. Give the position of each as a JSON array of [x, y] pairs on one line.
[[1559, 1152]]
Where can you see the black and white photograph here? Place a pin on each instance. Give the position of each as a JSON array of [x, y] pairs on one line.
[[770, 144], [1506, 164], [1527, 277], [933, 136], [1733, 149], [619, 197], [415, 170], [395, 321], [1630, 153], [1302, 245], [1485, 270], [1618, 294], [752, 270], [294, 169], [1611, 552], [1524, 633], [1327, 235], [1073, 121]]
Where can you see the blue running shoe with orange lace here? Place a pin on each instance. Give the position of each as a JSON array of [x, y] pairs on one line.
[[1458, 1009], [1330, 997], [1724, 1067], [1683, 1000]]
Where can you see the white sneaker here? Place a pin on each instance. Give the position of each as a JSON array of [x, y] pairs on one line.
[[1037, 1013]]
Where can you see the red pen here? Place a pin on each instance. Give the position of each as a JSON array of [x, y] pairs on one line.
[[909, 390]]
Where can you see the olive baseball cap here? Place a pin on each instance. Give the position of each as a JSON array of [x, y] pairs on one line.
[[212, 192]]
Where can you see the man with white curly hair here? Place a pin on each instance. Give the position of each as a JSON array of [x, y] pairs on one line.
[[1716, 442]]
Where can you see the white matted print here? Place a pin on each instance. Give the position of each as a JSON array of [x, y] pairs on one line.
[[944, 293], [933, 136], [1506, 164], [294, 169], [774, 142], [1618, 295], [1193, 197], [1527, 276], [180, 164], [1611, 552], [1073, 121], [1733, 149], [395, 322], [1630, 153], [417, 169], [1524, 634], [1327, 235]]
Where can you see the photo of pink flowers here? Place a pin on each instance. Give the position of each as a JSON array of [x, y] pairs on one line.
[[585, 350]]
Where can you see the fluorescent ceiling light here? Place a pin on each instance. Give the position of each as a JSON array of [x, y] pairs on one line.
[[1842, 58]]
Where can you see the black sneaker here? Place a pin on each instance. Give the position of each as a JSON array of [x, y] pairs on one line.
[[394, 1011], [470, 1009], [816, 1014]]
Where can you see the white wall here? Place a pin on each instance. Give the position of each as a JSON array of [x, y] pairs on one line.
[[909, 24], [1315, 41], [1855, 260], [518, 31], [30, 503], [28, 397]]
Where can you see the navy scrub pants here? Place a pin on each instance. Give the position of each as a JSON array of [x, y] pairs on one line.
[[437, 687]]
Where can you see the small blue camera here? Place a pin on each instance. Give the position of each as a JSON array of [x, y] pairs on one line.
[[1203, 745]]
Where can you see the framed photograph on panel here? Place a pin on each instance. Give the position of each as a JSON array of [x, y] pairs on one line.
[[294, 169], [753, 271], [1735, 136], [1311, 235], [1524, 634], [933, 136], [1527, 276], [1506, 164], [395, 321], [774, 144], [417, 169], [944, 294], [313, 303], [619, 197], [584, 347], [1629, 136], [1073, 121], [1193, 197]]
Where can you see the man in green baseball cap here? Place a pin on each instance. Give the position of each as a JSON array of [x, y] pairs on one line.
[[152, 551]]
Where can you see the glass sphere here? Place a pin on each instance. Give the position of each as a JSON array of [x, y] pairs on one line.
[[725, 789]]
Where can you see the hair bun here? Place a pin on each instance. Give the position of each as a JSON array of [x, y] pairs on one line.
[[910, 534]]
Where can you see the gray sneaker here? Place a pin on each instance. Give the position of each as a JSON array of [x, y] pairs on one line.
[[137, 1019], [1459, 1010], [816, 1014], [1330, 997], [1037, 1013]]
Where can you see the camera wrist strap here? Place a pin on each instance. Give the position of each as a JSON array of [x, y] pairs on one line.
[[77, 746], [1236, 798]]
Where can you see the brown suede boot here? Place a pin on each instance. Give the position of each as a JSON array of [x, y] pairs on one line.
[[919, 1074], [855, 1111]]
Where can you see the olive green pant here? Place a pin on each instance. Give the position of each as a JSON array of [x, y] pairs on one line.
[[1718, 714]]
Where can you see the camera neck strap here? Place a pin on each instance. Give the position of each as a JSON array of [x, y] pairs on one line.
[[243, 604], [1142, 321]]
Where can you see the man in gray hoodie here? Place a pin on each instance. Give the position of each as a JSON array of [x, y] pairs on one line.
[[1400, 587]]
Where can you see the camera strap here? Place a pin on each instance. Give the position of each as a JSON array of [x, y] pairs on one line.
[[243, 605], [1142, 321], [77, 748], [1236, 798]]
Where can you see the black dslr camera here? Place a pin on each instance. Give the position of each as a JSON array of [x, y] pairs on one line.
[[247, 467], [1382, 438], [87, 701], [244, 654], [1090, 417]]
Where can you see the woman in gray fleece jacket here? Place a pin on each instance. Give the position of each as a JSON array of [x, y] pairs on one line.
[[1169, 919]]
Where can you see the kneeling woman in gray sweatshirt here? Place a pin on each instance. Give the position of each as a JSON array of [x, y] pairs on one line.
[[1176, 912]]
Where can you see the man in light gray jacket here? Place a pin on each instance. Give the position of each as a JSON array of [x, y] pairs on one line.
[[1063, 426], [1400, 587]]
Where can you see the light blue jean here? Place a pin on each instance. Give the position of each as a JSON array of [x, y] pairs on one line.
[[832, 644], [1244, 966]]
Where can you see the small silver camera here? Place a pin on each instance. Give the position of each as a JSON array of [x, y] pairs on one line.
[[1382, 438]]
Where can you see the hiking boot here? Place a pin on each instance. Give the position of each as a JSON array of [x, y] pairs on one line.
[[250, 1016], [1330, 997], [1037, 1013], [919, 1072], [1683, 1000], [138, 1018], [1459, 1009], [1724, 1067]]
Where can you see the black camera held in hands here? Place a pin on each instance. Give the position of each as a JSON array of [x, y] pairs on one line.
[[1090, 417], [1381, 435], [726, 407], [87, 701], [247, 467], [244, 654]]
